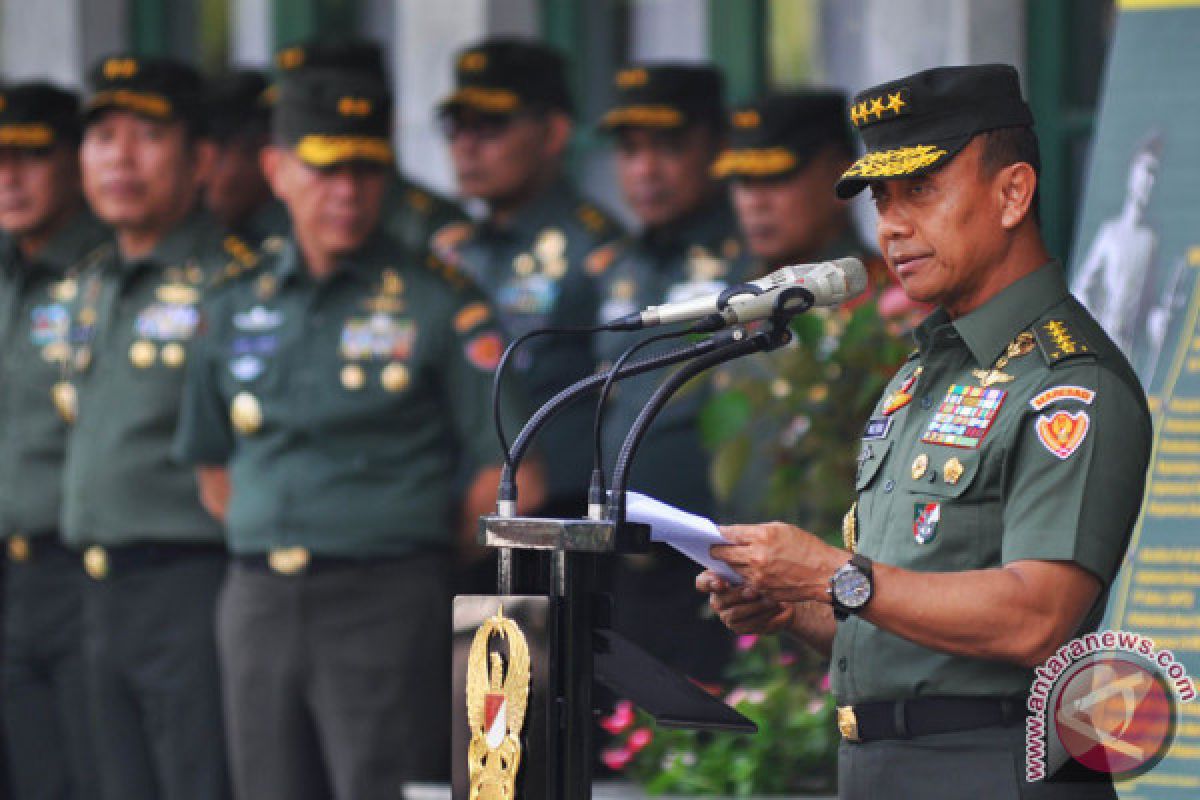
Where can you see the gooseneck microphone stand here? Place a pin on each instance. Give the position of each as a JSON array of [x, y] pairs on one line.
[[580, 645]]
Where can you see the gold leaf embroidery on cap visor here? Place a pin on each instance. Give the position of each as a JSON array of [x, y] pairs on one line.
[[754, 162], [322, 151], [644, 117], [494, 101], [32, 134], [895, 163]]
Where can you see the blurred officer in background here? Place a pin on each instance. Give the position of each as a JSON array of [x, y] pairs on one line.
[[343, 389], [49, 235], [508, 123], [237, 194], [411, 213], [669, 127], [155, 556]]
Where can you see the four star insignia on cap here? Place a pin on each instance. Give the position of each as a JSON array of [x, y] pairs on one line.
[[116, 68], [892, 105]]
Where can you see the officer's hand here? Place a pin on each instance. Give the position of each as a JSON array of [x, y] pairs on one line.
[[782, 562], [742, 609]]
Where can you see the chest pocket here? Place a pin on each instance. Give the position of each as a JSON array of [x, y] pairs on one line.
[[945, 526], [872, 454]]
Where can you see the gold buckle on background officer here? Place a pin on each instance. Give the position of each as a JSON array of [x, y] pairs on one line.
[[847, 722], [18, 548], [95, 562], [289, 560]]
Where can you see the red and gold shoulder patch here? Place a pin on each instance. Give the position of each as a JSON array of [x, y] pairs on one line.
[[1058, 393], [1063, 432]]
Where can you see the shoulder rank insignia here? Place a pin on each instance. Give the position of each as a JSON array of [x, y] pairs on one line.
[[1058, 342]]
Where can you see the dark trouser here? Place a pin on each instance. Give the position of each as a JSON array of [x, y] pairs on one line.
[[337, 678], [152, 677], [657, 606], [46, 726], [982, 764]]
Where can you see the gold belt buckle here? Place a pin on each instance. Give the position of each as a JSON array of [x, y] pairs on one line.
[[18, 548], [288, 560], [847, 723], [95, 562]]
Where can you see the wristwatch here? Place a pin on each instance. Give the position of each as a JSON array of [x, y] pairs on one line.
[[851, 586]]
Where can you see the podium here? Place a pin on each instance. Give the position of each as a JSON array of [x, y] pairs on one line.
[[553, 600], [526, 658]]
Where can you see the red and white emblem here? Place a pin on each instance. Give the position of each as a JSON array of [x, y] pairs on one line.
[[495, 718]]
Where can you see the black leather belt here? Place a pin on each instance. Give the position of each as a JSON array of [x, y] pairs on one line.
[[301, 561], [924, 716], [102, 562]]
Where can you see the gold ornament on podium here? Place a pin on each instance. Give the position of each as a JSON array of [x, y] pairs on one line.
[[497, 698]]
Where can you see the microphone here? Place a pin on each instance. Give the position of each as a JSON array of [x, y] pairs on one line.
[[788, 290]]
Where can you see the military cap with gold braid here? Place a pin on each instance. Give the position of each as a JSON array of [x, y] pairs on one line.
[[348, 53], [37, 116], [916, 124], [667, 96], [333, 116], [158, 88], [505, 75], [780, 134]]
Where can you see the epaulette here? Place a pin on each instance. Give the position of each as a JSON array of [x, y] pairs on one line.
[[599, 260], [448, 272], [596, 221], [1058, 342]]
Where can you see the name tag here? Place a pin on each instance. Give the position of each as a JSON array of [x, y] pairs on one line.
[[877, 428]]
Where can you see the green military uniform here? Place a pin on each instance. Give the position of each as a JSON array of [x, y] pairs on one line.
[[155, 557], [533, 266], [344, 409], [1015, 432], [696, 254], [47, 735], [412, 212]]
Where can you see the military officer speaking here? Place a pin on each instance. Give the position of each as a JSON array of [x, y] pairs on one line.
[[411, 213], [508, 123], [344, 389], [668, 123], [50, 234], [1000, 475], [154, 555]]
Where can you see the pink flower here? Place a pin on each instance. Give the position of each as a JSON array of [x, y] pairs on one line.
[[620, 719], [787, 658], [745, 642], [616, 759], [736, 696], [638, 740], [825, 683]]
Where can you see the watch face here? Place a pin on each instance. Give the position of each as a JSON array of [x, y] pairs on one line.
[[851, 587]]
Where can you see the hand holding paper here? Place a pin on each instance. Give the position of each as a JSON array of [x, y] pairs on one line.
[[690, 534]]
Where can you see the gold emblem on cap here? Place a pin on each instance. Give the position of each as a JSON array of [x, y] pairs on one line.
[[354, 106], [289, 560], [65, 400], [95, 562], [117, 68], [632, 78], [473, 61], [142, 354], [952, 471], [353, 377], [394, 377], [18, 548], [245, 413], [173, 354], [919, 466]]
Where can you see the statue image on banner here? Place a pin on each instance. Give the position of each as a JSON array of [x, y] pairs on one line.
[[1114, 279]]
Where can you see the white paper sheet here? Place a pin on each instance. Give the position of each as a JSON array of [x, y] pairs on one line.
[[688, 533]]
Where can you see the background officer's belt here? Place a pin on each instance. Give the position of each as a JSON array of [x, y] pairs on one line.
[[312, 563], [924, 716], [149, 554]]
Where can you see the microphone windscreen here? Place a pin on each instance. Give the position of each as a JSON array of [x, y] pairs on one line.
[[856, 275]]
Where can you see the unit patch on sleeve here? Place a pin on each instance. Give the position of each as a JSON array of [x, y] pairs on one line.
[[1063, 431]]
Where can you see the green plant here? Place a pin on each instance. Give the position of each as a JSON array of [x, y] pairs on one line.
[[794, 750]]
